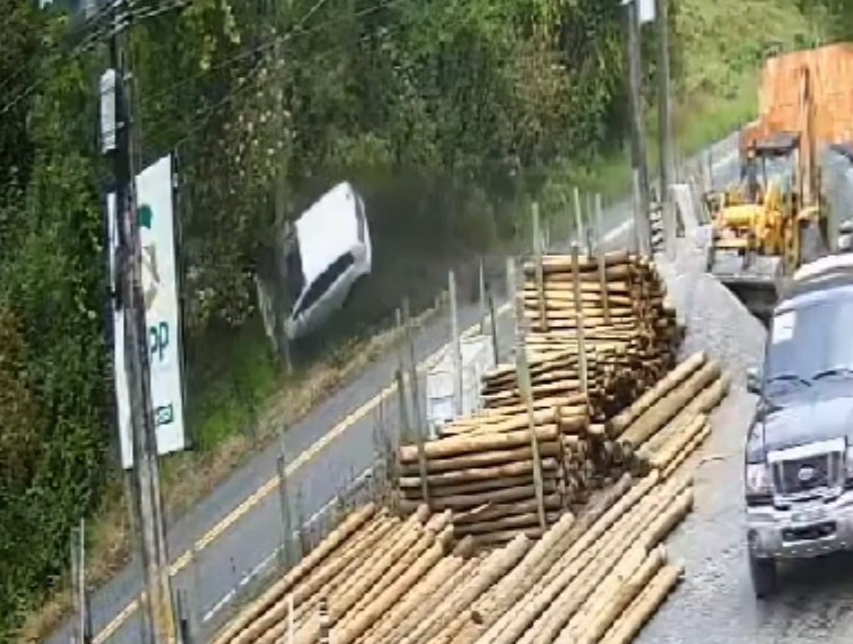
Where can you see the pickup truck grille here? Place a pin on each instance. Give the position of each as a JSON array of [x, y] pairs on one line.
[[809, 475]]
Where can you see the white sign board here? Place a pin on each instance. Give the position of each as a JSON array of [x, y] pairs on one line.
[[646, 9], [162, 313]]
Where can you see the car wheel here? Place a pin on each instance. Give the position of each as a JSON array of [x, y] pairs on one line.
[[764, 576]]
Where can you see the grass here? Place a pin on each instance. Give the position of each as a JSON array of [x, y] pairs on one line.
[[725, 42]]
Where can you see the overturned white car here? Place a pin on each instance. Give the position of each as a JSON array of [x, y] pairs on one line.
[[318, 263]]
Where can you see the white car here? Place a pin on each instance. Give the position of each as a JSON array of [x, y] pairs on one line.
[[328, 253]]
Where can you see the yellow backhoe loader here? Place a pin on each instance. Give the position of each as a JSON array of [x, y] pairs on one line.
[[775, 220]]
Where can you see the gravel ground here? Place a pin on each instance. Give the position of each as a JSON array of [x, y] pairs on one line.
[[715, 601]]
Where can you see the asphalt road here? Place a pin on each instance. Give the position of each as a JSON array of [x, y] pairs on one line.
[[224, 545]]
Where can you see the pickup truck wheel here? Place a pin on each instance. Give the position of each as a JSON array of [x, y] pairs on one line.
[[764, 578]]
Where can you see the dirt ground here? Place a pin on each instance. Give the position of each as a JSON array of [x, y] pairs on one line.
[[715, 602]]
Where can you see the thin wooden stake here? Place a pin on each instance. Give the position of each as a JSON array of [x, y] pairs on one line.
[[540, 271], [413, 379], [602, 267], [419, 439], [405, 425], [522, 374], [579, 321], [590, 209], [77, 600], [576, 196], [287, 558], [325, 622], [456, 347], [291, 620], [482, 285], [493, 322]]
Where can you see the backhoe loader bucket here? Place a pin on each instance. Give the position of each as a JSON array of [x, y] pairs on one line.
[[756, 282]]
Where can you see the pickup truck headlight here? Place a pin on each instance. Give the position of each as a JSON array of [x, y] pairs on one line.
[[757, 479]]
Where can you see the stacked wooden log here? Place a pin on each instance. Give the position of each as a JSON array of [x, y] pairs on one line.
[[670, 417], [499, 482], [594, 578], [613, 309]]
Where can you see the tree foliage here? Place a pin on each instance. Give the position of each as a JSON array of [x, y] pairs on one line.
[[446, 115]]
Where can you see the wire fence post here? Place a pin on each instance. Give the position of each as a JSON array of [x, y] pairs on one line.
[[286, 555]]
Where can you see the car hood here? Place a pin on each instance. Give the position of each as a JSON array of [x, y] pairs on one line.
[[822, 412]]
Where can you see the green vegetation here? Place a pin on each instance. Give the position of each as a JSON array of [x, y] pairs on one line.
[[450, 117]]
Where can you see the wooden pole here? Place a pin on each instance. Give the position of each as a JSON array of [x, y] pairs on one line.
[[642, 228], [419, 441], [456, 348], [582, 365], [85, 612], [602, 268], [638, 128], [287, 556], [325, 621], [493, 321], [667, 151], [576, 201], [540, 274], [291, 620], [405, 422], [77, 622], [483, 307], [405, 425], [417, 417], [522, 374]]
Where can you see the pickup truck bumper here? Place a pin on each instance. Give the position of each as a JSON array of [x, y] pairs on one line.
[[801, 532]]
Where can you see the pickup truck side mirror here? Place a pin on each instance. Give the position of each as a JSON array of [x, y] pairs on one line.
[[753, 380]]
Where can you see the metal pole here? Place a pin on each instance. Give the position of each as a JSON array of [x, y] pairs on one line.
[[638, 127], [667, 152], [145, 463]]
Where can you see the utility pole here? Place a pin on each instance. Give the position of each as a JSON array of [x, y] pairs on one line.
[[638, 128], [667, 152], [160, 618]]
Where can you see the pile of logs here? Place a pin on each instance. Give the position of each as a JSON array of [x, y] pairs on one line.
[[595, 577], [484, 468], [610, 310]]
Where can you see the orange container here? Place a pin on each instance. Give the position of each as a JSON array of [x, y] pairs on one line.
[[831, 75]]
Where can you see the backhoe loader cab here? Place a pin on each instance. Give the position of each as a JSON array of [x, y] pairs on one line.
[[779, 152], [762, 230]]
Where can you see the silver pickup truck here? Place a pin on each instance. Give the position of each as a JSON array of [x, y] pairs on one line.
[[799, 452]]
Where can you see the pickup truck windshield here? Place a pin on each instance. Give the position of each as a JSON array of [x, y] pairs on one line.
[[812, 341]]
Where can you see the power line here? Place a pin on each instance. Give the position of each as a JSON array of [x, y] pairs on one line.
[[102, 25]]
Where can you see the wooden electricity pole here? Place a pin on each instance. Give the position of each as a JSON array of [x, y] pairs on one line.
[[161, 627], [667, 152], [638, 127]]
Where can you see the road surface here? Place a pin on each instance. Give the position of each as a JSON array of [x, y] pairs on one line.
[[224, 545]]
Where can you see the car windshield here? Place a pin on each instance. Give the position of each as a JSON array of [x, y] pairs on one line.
[[811, 343]]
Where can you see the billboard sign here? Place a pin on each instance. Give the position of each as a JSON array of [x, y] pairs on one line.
[[162, 312]]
